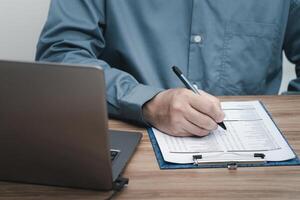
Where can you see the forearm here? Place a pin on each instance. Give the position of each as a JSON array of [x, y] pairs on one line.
[[71, 37]]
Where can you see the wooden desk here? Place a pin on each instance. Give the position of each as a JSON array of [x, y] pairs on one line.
[[147, 181]]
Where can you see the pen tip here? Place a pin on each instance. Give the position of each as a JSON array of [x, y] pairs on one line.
[[222, 125]]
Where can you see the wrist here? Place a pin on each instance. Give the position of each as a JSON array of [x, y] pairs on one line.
[[148, 110]]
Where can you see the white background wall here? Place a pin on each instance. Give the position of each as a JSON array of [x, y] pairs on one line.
[[289, 73], [21, 22]]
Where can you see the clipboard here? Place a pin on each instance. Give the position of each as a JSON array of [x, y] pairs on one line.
[[167, 165], [163, 165]]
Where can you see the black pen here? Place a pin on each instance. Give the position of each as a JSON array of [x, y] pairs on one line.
[[188, 85]]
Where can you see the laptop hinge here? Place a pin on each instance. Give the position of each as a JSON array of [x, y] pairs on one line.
[[119, 184]]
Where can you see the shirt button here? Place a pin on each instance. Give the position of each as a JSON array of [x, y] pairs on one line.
[[197, 38]]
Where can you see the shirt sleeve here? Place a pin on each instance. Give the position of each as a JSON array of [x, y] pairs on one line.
[[73, 33], [292, 42]]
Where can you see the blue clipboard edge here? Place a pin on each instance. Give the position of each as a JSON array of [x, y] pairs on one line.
[[163, 165]]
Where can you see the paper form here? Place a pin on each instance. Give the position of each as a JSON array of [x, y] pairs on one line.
[[192, 144], [249, 129], [247, 136], [239, 115]]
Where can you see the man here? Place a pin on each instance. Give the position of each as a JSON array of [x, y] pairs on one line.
[[224, 47]]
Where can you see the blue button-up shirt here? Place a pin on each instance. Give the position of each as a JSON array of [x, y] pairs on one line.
[[226, 47]]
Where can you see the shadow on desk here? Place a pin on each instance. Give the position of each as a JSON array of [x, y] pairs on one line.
[[18, 191]]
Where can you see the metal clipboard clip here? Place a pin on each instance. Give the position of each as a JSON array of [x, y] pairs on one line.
[[231, 165]]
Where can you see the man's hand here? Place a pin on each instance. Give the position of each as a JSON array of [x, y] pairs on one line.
[[180, 112]]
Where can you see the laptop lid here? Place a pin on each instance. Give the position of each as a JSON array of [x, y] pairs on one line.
[[53, 125]]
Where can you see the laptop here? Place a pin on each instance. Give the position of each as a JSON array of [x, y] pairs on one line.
[[54, 127]]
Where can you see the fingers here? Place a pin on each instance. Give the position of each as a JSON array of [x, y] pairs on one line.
[[207, 105], [192, 129], [186, 128], [210, 97], [202, 121], [185, 119], [180, 112]]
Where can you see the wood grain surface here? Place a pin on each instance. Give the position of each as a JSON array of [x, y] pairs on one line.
[[147, 181]]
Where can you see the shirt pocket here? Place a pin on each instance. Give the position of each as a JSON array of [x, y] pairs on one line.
[[249, 48]]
